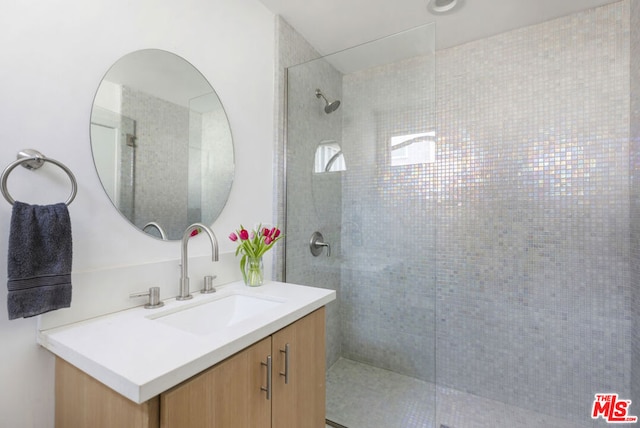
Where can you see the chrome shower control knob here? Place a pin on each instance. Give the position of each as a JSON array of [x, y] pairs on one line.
[[316, 244]]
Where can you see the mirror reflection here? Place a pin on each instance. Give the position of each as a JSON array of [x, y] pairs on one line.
[[161, 143]]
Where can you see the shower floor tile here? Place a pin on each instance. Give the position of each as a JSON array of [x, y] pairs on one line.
[[362, 396]]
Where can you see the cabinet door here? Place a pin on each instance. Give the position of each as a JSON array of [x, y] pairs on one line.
[[227, 395], [300, 403]]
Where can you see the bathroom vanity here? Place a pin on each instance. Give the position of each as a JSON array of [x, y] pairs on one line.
[[257, 361]]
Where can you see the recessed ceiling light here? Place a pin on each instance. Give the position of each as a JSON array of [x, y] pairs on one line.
[[441, 6]]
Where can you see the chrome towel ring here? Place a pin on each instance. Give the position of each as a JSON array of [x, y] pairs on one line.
[[33, 159]]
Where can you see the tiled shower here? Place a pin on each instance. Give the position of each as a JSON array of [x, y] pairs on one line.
[[505, 266]]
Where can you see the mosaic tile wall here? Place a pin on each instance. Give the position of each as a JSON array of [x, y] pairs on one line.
[[291, 49], [307, 211], [635, 204], [533, 213], [310, 126], [510, 256], [389, 220]]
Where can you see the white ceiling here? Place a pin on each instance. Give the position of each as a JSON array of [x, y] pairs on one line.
[[334, 25]]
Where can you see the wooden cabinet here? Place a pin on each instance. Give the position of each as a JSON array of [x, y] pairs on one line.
[[230, 394], [227, 395], [82, 401], [300, 403], [233, 394]]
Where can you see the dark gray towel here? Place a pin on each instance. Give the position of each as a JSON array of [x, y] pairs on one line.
[[39, 265]]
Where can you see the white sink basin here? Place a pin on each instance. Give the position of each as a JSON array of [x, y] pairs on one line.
[[212, 315]]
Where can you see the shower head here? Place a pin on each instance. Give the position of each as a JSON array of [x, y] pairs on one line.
[[329, 107]]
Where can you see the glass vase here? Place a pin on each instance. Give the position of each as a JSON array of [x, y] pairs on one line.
[[253, 271]]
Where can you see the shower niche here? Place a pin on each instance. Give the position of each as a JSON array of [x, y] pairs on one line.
[[328, 158]]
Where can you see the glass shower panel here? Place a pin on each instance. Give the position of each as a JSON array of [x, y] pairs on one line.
[[113, 142], [376, 210]]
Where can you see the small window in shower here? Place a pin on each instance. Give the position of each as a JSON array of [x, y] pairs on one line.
[[412, 149], [329, 158]]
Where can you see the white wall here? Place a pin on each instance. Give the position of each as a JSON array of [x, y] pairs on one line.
[[54, 56]]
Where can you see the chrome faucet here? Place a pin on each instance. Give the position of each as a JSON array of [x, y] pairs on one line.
[[184, 271]]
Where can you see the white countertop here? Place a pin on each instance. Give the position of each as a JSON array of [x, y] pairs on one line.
[[140, 358]]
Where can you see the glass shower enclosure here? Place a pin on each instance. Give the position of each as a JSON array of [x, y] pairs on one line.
[[362, 174], [477, 205]]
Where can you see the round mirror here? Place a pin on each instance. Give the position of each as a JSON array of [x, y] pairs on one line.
[[161, 143]]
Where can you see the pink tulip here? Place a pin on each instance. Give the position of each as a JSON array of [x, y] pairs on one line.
[[276, 234], [233, 237], [267, 240], [244, 235], [265, 232]]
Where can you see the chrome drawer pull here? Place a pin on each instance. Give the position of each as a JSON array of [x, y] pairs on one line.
[[285, 351], [268, 388]]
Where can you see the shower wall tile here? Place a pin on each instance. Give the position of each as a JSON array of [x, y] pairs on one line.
[[635, 203], [291, 49], [533, 267], [388, 270], [307, 211], [505, 268]]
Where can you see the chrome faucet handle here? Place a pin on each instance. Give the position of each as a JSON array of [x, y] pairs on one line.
[[154, 297], [316, 243], [208, 284]]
